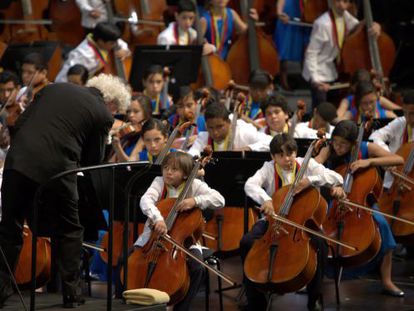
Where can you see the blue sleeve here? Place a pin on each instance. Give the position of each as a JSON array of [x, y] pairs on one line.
[[143, 156], [364, 150], [201, 124]]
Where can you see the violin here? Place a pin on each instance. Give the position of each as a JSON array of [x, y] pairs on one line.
[[159, 264], [126, 130], [355, 226]]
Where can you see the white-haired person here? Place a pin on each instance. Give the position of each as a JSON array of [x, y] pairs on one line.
[[66, 128]]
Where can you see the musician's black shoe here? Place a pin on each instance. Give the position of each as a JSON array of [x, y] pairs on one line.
[[71, 301]]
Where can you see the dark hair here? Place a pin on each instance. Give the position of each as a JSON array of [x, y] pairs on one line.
[[275, 100], [216, 110], [145, 103], [35, 59], [183, 92], [154, 124], [363, 88], [151, 70], [259, 78], [347, 129], [327, 111], [106, 32], [283, 143], [180, 160], [360, 75], [186, 6], [79, 70], [8, 76], [408, 97], [213, 96]]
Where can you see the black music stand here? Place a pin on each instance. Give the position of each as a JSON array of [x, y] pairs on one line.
[[182, 61]]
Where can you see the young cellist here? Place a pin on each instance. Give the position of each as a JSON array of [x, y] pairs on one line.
[[274, 174], [176, 169], [338, 152]]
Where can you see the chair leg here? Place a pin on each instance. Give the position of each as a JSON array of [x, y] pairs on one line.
[[219, 284], [207, 291]]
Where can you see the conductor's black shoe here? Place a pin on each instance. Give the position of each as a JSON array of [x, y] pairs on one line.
[[70, 301]]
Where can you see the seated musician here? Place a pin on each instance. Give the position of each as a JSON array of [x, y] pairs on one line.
[[9, 86], [260, 85], [186, 110], [128, 147], [181, 32], [78, 74], [153, 82], [343, 139], [92, 13], [275, 108], [323, 52], [365, 103], [93, 51], [323, 115], [155, 135], [219, 133], [359, 76], [262, 185], [220, 23], [398, 132], [176, 168], [34, 74]]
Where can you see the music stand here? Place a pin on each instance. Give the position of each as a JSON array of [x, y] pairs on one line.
[[182, 61], [303, 145]]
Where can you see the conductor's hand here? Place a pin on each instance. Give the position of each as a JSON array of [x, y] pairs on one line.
[[267, 208], [302, 185], [186, 205], [160, 227]]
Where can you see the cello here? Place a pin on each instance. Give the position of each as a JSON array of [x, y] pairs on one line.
[[252, 51], [159, 264], [356, 227], [398, 200], [283, 260], [361, 50]]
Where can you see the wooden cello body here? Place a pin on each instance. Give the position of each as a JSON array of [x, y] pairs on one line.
[[357, 226], [250, 52], [398, 201]]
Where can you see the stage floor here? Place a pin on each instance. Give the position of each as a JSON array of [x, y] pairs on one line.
[[361, 294]]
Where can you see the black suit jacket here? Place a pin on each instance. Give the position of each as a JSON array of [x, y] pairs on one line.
[[65, 127]]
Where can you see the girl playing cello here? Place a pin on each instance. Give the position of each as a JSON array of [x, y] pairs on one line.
[[176, 168], [343, 138]]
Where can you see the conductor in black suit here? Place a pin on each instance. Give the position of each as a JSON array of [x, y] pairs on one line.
[[65, 127]]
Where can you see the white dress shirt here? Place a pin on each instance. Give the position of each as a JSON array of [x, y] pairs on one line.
[[167, 36], [390, 137], [319, 64], [204, 196], [84, 55], [246, 136], [302, 130], [261, 186], [86, 6]]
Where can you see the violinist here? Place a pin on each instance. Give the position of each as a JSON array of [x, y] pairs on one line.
[[260, 85], [43, 146], [187, 110], [34, 76], [276, 114], [78, 74], [323, 116], [176, 168], [346, 106], [397, 132], [9, 86], [219, 133], [93, 51], [92, 13], [155, 135], [219, 24], [323, 53], [260, 187], [153, 82], [343, 139], [181, 32], [128, 146]]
